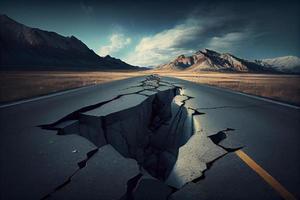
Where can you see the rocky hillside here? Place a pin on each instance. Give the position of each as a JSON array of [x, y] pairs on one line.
[[23, 47], [208, 60]]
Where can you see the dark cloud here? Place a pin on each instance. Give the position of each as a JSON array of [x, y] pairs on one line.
[[251, 29]]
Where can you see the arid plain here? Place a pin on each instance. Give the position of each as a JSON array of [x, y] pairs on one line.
[[18, 85]]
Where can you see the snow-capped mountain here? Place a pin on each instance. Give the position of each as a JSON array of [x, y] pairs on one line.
[[24, 47], [208, 60], [284, 63]]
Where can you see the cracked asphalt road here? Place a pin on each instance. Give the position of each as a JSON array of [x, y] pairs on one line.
[[37, 163]]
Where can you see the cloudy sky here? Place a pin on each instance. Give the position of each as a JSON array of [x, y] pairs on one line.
[[148, 33]]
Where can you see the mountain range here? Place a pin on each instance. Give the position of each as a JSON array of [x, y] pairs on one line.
[[283, 64], [23, 47], [209, 60]]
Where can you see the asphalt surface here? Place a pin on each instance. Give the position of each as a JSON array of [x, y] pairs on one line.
[[269, 133], [33, 162]]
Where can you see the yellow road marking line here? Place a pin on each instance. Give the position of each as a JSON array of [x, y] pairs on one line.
[[265, 175]]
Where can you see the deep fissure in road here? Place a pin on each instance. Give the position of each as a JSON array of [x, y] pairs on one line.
[[149, 123]]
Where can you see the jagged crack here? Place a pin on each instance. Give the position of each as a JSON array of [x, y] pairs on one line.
[[152, 125]]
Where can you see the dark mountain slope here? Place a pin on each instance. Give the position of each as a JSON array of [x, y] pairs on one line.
[[23, 47]]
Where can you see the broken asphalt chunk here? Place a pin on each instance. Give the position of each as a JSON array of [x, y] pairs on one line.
[[192, 159], [105, 177]]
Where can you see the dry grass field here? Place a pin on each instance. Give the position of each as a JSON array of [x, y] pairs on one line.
[[285, 88], [16, 85]]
